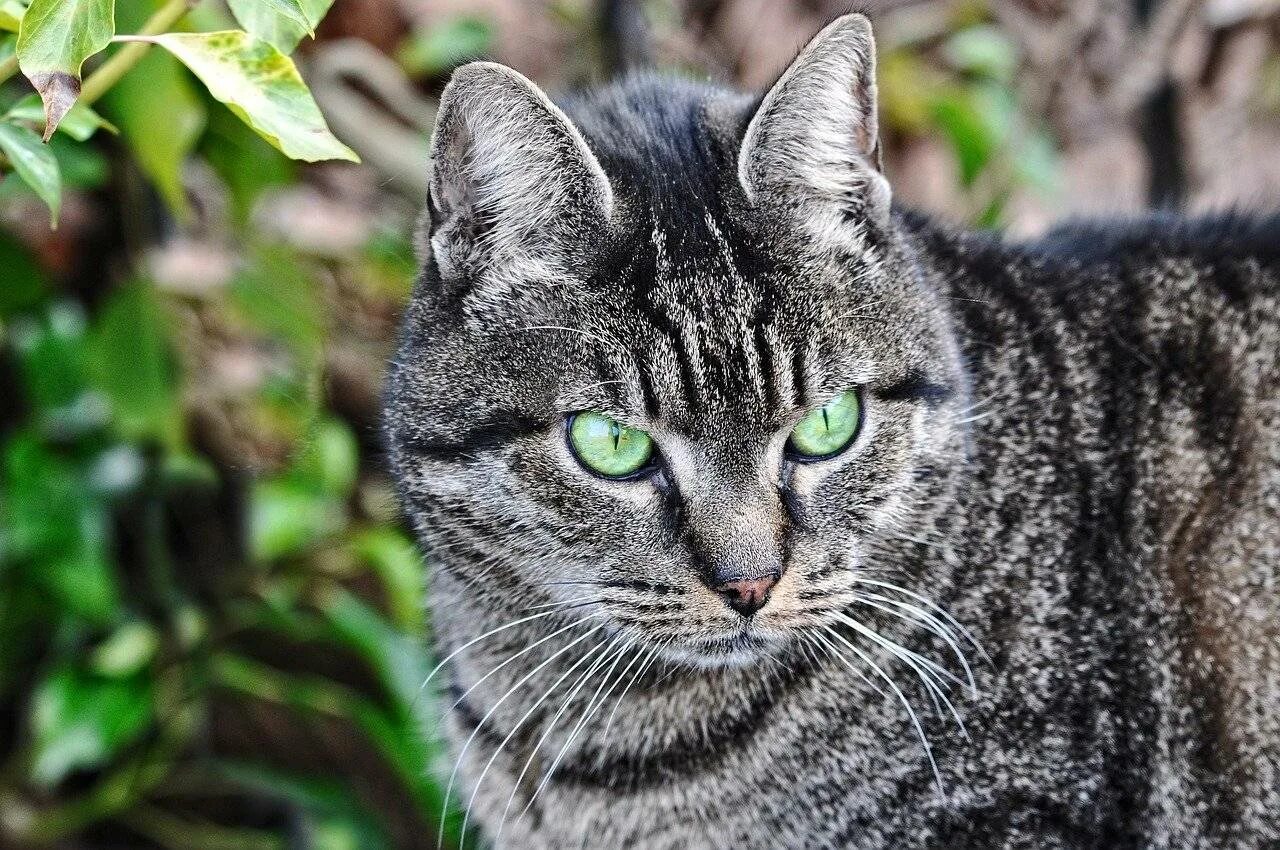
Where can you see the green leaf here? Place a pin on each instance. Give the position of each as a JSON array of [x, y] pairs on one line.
[[262, 86], [35, 164], [80, 721], [55, 39], [11, 12], [329, 806], [244, 161], [282, 23], [984, 51], [398, 659], [329, 460], [130, 365], [965, 120], [279, 297], [80, 123], [161, 117], [51, 355], [395, 559], [130, 648], [286, 518], [82, 166]]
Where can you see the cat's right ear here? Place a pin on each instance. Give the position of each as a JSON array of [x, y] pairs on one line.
[[515, 193], [814, 140]]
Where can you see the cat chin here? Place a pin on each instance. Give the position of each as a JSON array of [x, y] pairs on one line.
[[741, 649]]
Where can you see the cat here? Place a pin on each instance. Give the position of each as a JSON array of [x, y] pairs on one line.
[[761, 513]]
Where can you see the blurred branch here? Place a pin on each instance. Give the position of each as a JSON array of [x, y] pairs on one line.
[[392, 139], [1139, 78], [8, 67]]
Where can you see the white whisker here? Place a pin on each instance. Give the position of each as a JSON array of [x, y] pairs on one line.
[[453, 776], [473, 642], [915, 720]]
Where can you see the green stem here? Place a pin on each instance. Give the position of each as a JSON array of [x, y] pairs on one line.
[[101, 80], [8, 67]]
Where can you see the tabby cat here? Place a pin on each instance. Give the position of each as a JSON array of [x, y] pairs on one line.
[[763, 514]]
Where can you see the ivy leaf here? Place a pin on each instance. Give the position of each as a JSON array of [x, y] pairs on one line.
[[262, 86], [55, 39], [35, 164], [281, 23], [282, 30], [80, 123]]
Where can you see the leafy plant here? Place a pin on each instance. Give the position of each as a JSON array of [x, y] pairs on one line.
[[248, 69]]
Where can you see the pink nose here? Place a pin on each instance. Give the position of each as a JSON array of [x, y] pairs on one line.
[[747, 595]]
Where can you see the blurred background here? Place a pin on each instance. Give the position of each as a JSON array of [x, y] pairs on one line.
[[211, 615]]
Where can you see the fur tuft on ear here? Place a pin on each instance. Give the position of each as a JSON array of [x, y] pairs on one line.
[[816, 133], [515, 193]]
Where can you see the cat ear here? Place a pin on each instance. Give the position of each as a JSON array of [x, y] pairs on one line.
[[815, 135], [514, 191]]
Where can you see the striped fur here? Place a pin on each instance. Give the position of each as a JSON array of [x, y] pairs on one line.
[[1070, 458]]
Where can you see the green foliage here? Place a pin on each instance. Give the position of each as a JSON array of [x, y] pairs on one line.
[[115, 650], [434, 51], [152, 99], [34, 163], [120, 656], [161, 118], [80, 720], [55, 37], [261, 86], [970, 99], [282, 23]]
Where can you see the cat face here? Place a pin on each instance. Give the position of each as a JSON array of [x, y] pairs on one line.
[[670, 365]]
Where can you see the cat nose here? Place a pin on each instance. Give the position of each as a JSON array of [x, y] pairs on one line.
[[747, 595]]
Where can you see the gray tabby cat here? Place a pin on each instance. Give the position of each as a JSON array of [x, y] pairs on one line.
[[726, 469]]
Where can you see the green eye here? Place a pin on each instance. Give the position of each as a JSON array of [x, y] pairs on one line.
[[608, 447], [829, 429]]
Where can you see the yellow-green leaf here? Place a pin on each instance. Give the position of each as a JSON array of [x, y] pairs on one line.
[[35, 164], [55, 38], [262, 86]]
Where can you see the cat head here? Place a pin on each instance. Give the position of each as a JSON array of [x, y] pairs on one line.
[[670, 364]]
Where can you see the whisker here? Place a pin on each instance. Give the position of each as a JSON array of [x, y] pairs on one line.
[[474, 641], [653, 654], [526, 650], [926, 670], [918, 615], [603, 656], [587, 712], [896, 648], [915, 720], [453, 776], [928, 603]]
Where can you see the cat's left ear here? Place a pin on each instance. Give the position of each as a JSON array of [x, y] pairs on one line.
[[815, 135]]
